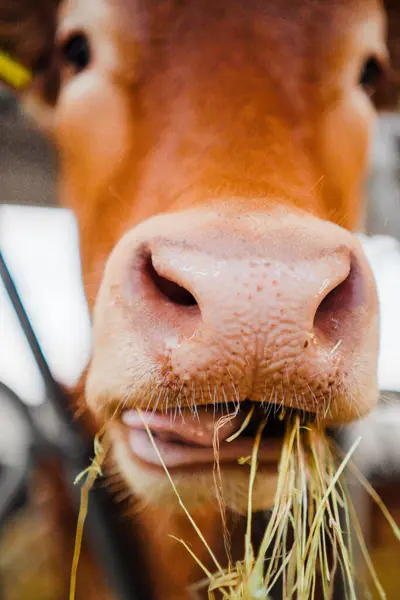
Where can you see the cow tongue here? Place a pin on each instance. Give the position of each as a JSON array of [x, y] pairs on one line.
[[185, 428]]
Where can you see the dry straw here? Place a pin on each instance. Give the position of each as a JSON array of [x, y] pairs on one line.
[[307, 541], [88, 476]]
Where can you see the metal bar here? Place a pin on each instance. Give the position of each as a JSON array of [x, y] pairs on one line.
[[55, 392]]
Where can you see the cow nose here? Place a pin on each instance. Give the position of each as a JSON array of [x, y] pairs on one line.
[[232, 312], [235, 304]]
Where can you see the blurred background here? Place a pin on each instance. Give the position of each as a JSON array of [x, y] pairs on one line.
[[29, 559]]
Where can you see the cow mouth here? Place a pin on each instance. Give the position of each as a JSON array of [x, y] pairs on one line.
[[195, 440]]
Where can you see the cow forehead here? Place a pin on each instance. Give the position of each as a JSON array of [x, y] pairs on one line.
[[289, 47], [286, 23]]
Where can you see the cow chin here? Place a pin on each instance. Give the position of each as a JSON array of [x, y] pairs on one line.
[[195, 488]]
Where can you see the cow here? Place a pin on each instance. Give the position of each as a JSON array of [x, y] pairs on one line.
[[214, 155]]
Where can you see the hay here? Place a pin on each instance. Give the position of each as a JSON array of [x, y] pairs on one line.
[[308, 537], [313, 510], [89, 476]]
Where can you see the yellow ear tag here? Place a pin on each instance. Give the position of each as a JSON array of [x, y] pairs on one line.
[[13, 73]]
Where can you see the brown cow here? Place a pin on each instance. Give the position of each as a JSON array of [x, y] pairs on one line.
[[214, 155]]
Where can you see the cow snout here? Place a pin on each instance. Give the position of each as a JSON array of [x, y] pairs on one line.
[[197, 310]]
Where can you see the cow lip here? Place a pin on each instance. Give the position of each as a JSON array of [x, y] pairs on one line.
[[188, 440], [176, 455]]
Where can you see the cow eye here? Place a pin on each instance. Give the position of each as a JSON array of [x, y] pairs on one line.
[[76, 52], [372, 74]]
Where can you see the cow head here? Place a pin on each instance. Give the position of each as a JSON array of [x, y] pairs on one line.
[[214, 155]]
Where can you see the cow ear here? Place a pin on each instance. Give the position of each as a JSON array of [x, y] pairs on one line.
[[394, 47], [388, 97], [27, 35]]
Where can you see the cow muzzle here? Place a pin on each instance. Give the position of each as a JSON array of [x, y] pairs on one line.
[[204, 314]]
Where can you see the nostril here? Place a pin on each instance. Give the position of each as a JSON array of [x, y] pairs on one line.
[[169, 289], [333, 311]]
